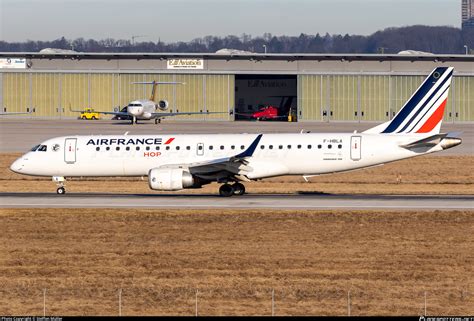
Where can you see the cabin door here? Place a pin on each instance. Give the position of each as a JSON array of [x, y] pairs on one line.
[[356, 148], [70, 150]]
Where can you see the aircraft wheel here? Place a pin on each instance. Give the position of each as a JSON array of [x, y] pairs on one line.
[[61, 190], [239, 189], [226, 190], [84, 118], [93, 118]]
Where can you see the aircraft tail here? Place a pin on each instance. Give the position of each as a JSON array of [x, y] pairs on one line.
[[423, 112], [155, 83]]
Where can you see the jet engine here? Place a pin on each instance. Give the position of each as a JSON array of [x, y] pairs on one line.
[[162, 105], [170, 179]]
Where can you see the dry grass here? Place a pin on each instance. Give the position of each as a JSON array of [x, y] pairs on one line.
[[422, 175], [311, 258]]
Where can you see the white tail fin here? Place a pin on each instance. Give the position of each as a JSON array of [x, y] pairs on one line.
[[423, 112]]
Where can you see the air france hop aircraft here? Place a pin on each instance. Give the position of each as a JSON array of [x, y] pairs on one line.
[[146, 109], [174, 162]]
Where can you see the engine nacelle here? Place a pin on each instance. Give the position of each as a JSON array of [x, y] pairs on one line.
[[162, 105], [169, 179]]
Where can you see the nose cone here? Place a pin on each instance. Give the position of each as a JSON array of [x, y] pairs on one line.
[[134, 111], [17, 166]]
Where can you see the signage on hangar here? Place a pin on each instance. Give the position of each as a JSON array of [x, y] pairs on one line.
[[187, 63], [12, 63]]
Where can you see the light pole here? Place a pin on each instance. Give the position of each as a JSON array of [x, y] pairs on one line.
[[265, 47], [467, 49]]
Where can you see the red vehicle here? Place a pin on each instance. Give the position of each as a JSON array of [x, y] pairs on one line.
[[267, 112]]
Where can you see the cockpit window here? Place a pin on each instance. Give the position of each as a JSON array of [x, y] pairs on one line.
[[135, 105], [42, 148], [35, 148]]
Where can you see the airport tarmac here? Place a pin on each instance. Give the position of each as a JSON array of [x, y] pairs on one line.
[[260, 201], [19, 135]]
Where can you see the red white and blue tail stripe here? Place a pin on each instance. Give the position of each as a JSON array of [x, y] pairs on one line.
[[424, 111]]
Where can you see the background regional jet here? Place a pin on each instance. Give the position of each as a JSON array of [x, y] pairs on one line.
[[146, 109], [174, 162]]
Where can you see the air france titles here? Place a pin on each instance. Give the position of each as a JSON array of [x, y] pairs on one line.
[[124, 141], [128, 142]]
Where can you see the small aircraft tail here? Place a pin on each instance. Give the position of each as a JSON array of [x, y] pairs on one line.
[[155, 83], [423, 112]]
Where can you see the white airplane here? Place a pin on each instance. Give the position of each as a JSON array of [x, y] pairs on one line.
[[146, 109], [174, 162]]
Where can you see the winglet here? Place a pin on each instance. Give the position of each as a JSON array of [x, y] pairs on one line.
[[249, 151]]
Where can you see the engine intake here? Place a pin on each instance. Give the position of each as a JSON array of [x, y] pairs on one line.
[[169, 179], [162, 105]]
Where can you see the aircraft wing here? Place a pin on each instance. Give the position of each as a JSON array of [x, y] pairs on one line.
[[119, 113], [236, 165], [159, 115]]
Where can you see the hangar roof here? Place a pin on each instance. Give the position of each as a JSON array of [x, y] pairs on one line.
[[256, 56], [241, 63]]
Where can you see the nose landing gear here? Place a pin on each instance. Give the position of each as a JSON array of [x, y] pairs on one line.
[[228, 190], [60, 181]]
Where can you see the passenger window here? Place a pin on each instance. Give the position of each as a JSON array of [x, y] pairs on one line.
[[97, 148], [107, 148], [299, 146], [242, 146], [117, 148], [339, 146], [271, 146], [167, 148], [177, 147], [222, 147], [319, 146], [309, 146], [157, 147], [280, 147], [262, 146], [147, 148], [200, 147], [232, 147], [137, 148], [188, 147], [211, 147], [329, 146], [289, 146], [127, 148]]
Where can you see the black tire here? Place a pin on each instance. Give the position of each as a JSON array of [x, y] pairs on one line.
[[93, 118], [61, 191], [226, 190], [239, 189], [84, 118]]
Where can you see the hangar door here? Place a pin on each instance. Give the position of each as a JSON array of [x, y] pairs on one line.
[[256, 92]]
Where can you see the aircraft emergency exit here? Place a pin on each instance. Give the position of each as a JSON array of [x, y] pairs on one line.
[[174, 162]]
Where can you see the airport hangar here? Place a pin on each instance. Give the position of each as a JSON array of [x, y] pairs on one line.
[[322, 87]]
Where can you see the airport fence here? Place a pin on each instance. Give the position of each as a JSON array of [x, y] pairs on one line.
[[251, 301]]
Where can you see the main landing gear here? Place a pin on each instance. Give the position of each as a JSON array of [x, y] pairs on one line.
[[157, 121], [60, 181], [228, 190]]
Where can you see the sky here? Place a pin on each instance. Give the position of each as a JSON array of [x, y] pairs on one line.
[[184, 20]]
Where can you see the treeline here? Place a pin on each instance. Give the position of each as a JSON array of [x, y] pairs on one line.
[[438, 40]]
